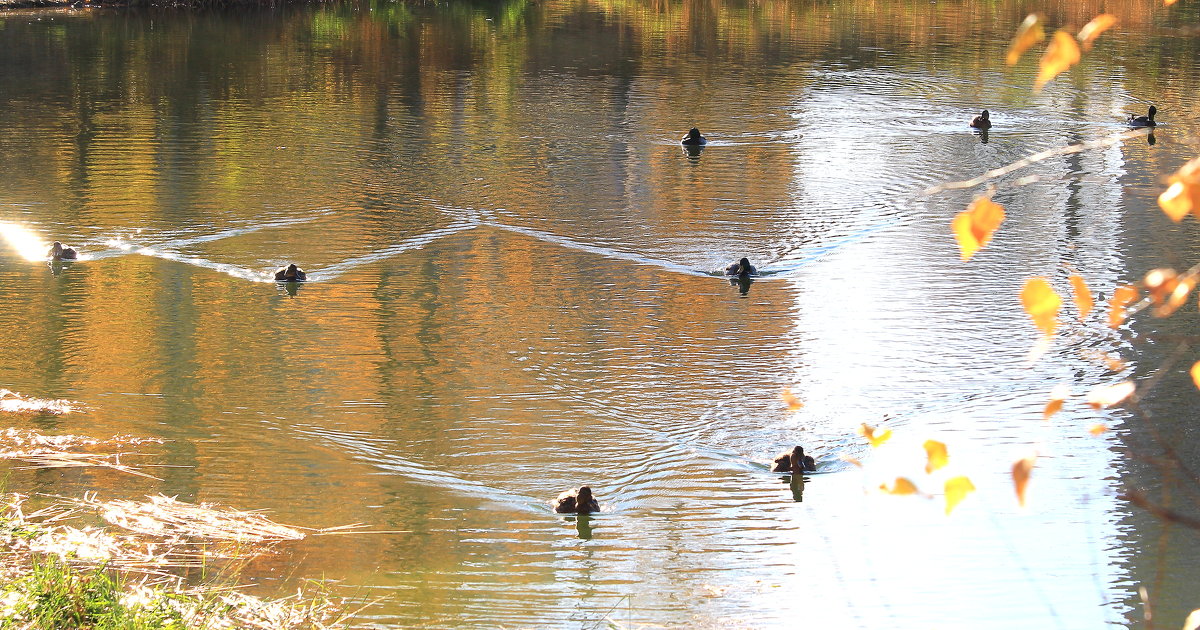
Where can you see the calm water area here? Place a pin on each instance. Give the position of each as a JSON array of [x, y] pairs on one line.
[[515, 289]]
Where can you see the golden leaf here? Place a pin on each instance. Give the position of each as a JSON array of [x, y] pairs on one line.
[[1167, 3], [1108, 395], [1121, 298], [1083, 297], [937, 455], [1159, 283], [1042, 304], [793, 403], [874, 438], [1061, 54], [973, 227], [957, 489], [900, 487], [1060, 393], [1178, 296], [1098, 429], [1193, 619], [1021, 470], [1195, 372], [1183, 194], [851, 460], [1029, 33], [1088, 34]]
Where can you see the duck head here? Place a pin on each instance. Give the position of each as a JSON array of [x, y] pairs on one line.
[[56, 249], [984, 114], [585, 496], [744, 268], [693, 135], [291, 269], [1153, 111]]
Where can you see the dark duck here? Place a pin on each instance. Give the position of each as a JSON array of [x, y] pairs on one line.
[[1143, 121], [982, 121], [578, 501], [794, 461], [291, 273], [741, 269], [694, 138], [58, 252]]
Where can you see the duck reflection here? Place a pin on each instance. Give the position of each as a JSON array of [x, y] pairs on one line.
[[983, 135], [693, 151], [743, 284], [583, 526], [1150, 140], [57, 266], [796, 483]]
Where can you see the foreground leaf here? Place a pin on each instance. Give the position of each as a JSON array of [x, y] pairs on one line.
[[1098, 429], [957, 489], [1183, 194], [1121, 298], [1088, 34], [1195, 372], [1108, 395], [1029, 33], [874, 438], [1021, 470], [1061, 54], [901, 486], [793, 403], [1083, 297], [1057, 396], [1042, 304], [936, 454], [973, 227]]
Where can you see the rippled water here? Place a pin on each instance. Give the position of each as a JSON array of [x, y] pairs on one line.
[[515, 289]]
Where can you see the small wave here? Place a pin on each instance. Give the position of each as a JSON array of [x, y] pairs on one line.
[[335, 270], [13, 402]]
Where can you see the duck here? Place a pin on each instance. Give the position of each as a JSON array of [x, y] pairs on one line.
[[1143, 121], [58, 252], [579, 501], [794, 461], [694, 138], [982, 121], [291, 273], [741, 269]]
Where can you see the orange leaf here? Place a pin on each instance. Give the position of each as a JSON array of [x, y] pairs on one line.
[[900, 486], [1183, 194], [1121, 298], [1083, 297], [957, 489], [874, 438], [793, 403], [1042, 304], [1160, 282], [1098, 429], [851, 460], [1057, 395], [1167, 3], [1109, 395], [973, 227], [1021, 470], [937, 455], [1088, 34], [1061, 54], [1029, 33], [1195, 372], [1178, 297]]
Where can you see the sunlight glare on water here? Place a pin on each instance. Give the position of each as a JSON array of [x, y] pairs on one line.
[[24, 242]]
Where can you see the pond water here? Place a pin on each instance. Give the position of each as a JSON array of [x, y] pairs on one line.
[[514, 289]]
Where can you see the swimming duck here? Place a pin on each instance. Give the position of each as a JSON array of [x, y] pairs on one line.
[[982, 121], [694, 137], [291, 273], [578, 501], [741, 269], [794, 461], [1143, 121], [58, 252]]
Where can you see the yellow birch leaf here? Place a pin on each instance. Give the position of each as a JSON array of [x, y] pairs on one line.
[[1088, 34], [1106, 396], [1060, 393], [851, 460], [1029, 33], [901, 486], [973, 227], [1042, 304], [1061, 54], [957, 489], [1193, 619], [793, 403], [1178, 296], [1021, 470], [1175, 201], [874, 438], [1121, 298], [1167, 3], [1083, 297], [1159, 283], [937, 455], [1195, 372], [1098, 429]]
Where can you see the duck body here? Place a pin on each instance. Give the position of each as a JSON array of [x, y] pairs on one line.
[[290, 273], [579, 501], [794, 461], [58, 252], [741, 269], [693, 138], [1143, 121], [982, 121]]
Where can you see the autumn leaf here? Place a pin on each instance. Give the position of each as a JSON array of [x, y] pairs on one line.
[[1183, 193], [1088, 34], [1057, 396], [1061, 54], [851, 460], [973, 227], [1029, 33], [901, 486], [1042, 304], [1121, 298], [1021, 470], [1177, 298], [1195, 372], [1159, 283], [793, 403], [1167, 3], [957, 489], [1108, 395], [1098, 429], [1083, 297], [937, 455], [874, 438]]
